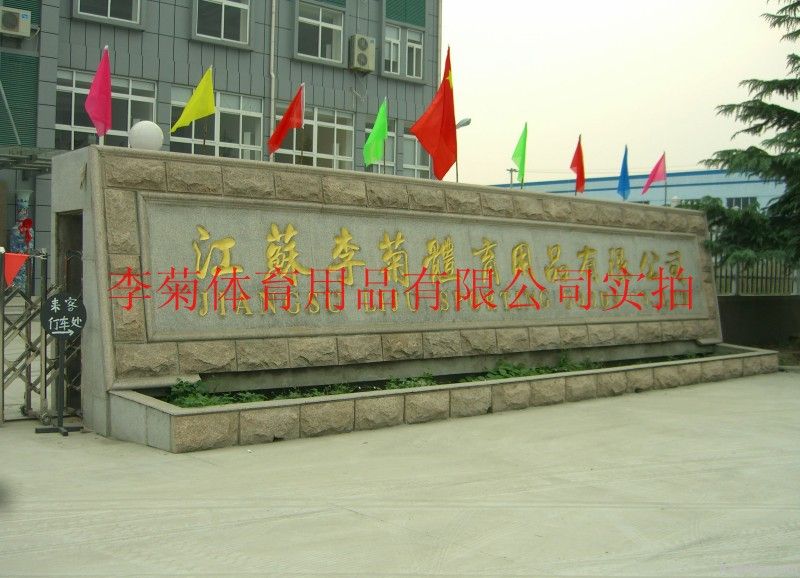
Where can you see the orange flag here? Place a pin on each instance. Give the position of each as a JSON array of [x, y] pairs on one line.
[[436, 128]]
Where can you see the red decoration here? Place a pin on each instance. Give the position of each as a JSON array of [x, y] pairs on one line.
[[436, 128], [659, 173], [577, 168], [25, 229], [292, 118], [13, 263]]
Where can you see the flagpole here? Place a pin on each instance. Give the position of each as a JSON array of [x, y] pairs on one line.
[[384, 142], [303, 123], [666, 198], [301, 143], [205, 125], [576, 173]]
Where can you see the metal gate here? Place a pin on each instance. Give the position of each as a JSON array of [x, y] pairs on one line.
[[27, 354]]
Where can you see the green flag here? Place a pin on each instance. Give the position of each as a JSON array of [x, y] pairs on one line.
[[519, 153], [373, 148]]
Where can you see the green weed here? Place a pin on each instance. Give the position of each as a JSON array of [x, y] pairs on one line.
[[189, 394], [402, 383]]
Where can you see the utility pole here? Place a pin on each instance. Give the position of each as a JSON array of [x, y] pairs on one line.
[[511, 176]]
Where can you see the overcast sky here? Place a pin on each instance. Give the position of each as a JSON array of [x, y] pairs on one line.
[[644, 73]]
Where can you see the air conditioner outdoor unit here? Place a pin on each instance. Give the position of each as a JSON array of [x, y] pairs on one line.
[[14, 22], [362, 53]]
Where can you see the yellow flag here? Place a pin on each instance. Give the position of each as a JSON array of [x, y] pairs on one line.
[[201, 103]]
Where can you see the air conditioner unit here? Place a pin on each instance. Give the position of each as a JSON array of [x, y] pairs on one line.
[[14, 22], [362, 53]]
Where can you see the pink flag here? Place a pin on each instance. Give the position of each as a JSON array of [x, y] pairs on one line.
[[98, 101], [659, 173]]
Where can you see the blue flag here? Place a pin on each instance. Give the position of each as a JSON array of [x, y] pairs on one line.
[[624, 186]]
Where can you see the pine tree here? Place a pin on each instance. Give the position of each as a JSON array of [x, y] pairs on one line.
[[778, 158]]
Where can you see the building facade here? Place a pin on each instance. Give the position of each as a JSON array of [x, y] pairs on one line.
[[351, 54], [735, 190]]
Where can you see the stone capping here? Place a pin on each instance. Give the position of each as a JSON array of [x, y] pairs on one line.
[[178, 173], [503, 395]]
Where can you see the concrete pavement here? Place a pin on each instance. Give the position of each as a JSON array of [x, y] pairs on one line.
[[700, 481]]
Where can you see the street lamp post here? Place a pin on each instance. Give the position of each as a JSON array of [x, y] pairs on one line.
[[462, 123], [511, 176]]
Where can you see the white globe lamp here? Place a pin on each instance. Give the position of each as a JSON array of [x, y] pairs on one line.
[[145, 135]]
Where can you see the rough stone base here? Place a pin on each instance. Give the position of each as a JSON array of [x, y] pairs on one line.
[[377, 412], [269, 424], [142, 419], [422, 407], [470, 401], [319, 419]]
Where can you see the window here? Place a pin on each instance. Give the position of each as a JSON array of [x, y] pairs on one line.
[[415, 160], [414, 53], [389, 148], [233, 131], [740, 202], [126, 10], [391, 50], [223, 19], [410, 13], [319, 32], [326, 140], [131, 101], [410, 61]]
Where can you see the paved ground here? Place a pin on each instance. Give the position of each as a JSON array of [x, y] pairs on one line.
[[697, 481]]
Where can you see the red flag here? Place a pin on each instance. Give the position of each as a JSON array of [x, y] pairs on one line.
[[98, 101], [13, 263], [292, 118], [577, 168], [659, 173], [436, 128]]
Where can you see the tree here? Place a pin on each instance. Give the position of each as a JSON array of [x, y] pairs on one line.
[[739, 236], [778, 157]]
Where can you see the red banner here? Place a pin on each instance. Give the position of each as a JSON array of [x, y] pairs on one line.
[[13, 263]]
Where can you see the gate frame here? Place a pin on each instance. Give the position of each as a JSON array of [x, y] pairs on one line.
[[34, 349]]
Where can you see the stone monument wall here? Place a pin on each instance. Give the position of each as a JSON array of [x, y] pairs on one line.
[[199, 265]]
